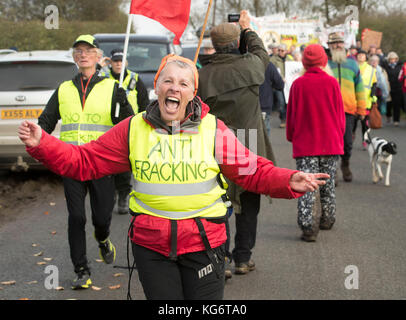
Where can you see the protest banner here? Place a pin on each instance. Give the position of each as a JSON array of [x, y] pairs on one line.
[[297, 31], [292, 32]]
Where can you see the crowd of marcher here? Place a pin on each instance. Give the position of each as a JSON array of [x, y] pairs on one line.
[[338, 88], [191, 154], [389, 86]]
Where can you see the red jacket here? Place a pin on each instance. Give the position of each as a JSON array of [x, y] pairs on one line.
[[402, 77], [109, 155], [315, 118]]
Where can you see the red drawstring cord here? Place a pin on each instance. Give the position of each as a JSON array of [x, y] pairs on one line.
[[84, 90]]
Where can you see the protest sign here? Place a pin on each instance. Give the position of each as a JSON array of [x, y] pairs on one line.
[[370, 37], [293, 70]]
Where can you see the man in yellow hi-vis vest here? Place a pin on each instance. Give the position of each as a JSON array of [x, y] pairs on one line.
[[137, 96], [137, 93], [368, 75], [86, 105]]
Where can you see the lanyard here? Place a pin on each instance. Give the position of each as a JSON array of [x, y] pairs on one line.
[[84, 90]]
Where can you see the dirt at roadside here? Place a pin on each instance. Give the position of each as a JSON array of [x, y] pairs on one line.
[[21, 190]]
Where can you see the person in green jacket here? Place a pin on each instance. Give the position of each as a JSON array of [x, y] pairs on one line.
[[229, 83]]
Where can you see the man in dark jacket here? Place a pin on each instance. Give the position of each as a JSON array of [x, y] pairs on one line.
[[273, 81], [393, 67], [229, 84]]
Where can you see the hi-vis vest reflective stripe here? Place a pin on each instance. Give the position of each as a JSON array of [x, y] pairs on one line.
[[175, 175], [82, 126], [131, 94]]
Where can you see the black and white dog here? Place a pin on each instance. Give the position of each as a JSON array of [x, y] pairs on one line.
[[380, 152]]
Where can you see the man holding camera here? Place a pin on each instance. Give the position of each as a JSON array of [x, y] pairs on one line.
[[229, 84]]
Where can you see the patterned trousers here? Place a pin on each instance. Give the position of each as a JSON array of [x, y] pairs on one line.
[[317, 209]]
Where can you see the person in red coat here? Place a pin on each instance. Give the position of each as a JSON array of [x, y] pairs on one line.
[[176, 258], [402, 79], [315, 126]]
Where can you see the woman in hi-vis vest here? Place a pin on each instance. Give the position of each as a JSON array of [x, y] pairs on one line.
[[178, 153]]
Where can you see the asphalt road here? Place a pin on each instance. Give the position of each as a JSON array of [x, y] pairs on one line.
[[362, 257]]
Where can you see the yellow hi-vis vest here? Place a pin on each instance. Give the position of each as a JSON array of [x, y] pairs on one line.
[[80, 126], [175, 175], [131, 94], [368, 74]]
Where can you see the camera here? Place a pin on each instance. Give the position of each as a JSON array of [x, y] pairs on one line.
[[233, 17]]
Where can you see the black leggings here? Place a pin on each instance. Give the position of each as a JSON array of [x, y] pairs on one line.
[[190, 277], [101, 201]]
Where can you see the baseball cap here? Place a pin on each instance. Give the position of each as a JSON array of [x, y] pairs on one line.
[[116, 55], [86, 38]]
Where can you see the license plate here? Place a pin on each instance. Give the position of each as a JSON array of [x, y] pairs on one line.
[[20, 113]]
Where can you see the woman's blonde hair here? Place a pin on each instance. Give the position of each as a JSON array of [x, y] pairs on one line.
[[392, 55]]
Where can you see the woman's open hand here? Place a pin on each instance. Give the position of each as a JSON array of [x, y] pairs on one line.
[[307, 182]]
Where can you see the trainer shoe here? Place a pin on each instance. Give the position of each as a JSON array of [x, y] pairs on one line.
[[82, 280], [244, 267], [107, 251]]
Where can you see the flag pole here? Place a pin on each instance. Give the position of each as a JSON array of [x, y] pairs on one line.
[[127, 37], [202, 33]]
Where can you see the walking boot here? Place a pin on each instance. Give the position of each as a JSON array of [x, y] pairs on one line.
[[122, 203], [244, 267], [309, 233], [308, 237], [345, 168]]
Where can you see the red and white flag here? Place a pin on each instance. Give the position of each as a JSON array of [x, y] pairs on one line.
[[172, 14]]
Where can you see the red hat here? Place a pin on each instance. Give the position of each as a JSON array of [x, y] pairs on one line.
[[314, 56]]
